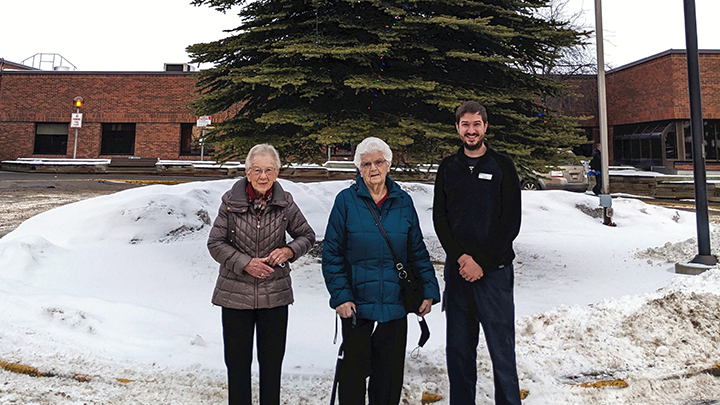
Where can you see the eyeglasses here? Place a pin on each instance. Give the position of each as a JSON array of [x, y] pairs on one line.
[[377, 163], [258, 171]]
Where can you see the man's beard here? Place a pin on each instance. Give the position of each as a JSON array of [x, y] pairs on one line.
[[473, 147]]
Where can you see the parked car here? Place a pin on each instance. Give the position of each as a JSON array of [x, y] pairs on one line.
[[572, 177]]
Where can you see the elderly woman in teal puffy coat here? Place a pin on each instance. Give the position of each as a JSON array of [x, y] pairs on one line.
[[360, 275]]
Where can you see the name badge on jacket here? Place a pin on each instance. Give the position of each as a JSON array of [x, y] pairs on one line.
[[484, 176]]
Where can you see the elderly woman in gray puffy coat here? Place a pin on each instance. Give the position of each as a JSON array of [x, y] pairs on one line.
[[254, 288]]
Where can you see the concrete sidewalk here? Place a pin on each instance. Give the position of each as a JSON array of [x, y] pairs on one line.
[[661, 186], [124, 165], [331, 170], [623, 180]]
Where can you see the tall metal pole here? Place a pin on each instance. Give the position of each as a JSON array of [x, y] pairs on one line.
[[602, 100], [76, 136], [696, 128], [605, 200], [202, 144]]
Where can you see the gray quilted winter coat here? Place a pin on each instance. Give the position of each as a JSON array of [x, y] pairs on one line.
[[238, 236]]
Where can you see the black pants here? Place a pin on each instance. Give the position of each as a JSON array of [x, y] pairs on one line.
[[487, 302], [597, 189], [239, 326], [378, 353]]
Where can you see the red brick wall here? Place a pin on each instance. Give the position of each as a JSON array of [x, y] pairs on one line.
[[710, 85], [657, 89], [155, 102], [157, 139], [13, 140], [641, 93]]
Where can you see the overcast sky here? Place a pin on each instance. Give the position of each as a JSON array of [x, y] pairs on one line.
[[134, 35], [636, 29]]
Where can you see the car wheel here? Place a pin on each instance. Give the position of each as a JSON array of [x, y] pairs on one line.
[[529, 185]]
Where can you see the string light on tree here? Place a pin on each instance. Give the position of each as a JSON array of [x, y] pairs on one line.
[[382, 57]]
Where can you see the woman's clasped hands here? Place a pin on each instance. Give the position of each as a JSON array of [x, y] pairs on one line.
[[261, 267]]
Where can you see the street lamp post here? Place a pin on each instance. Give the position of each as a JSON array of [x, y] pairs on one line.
[[605, 199], [704, 256], [203, 122], [76, 122]]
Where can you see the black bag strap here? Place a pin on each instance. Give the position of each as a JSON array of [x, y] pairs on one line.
[[402, 274]]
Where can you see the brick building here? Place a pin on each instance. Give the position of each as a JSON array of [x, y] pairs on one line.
[[124, 114], [146, 113], [648, 110]]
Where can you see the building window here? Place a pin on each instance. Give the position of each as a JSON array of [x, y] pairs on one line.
[[711, 129], [688, 140], [711, 139], [118, 139], [640, 144], [656, 148], [190, 141], [50, 138], [635, 149], [671, 143]]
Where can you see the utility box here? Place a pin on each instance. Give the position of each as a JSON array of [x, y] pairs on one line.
[[605, 200]]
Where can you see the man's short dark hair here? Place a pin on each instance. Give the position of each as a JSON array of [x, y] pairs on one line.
[[470, 107]]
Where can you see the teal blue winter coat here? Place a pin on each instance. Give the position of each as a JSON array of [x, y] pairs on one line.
[[354, 249]]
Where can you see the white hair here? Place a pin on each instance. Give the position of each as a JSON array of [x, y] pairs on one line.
[[262, 149], [372, 145]]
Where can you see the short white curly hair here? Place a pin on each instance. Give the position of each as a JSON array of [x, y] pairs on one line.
[[262, 149], [372, 144]]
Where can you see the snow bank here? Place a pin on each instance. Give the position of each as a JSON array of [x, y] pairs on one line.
[[117, 289]]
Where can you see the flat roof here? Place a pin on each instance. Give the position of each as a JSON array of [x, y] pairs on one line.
[[6, 64], [95, 72]]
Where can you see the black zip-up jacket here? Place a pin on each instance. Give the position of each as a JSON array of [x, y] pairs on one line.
[[596, 162], [478, 212]]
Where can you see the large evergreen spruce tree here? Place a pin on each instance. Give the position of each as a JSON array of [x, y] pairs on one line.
[[303, 75]]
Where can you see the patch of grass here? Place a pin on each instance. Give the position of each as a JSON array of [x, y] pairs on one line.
[[602, 384], [22, 369]]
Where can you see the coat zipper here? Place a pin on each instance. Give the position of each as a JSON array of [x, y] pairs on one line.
[[382, 276], [257, 254]]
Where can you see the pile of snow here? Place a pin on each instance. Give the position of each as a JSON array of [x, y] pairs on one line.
[[116, 290], [680, 251]]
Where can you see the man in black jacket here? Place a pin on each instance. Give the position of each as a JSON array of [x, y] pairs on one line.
[[476, 213]]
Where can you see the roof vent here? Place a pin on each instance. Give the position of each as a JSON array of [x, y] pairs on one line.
[[179, 67]]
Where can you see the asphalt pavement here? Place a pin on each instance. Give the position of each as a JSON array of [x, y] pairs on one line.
[[23, 195], [88, 182]]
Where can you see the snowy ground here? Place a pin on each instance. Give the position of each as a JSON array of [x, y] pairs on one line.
[[109, 299]]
